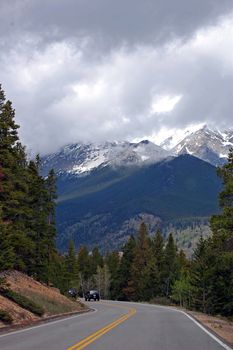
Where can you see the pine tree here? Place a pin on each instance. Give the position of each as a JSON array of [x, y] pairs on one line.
[[96, 260], [199, 278], [72, 267], [170, 265], [51, 194], [124, 271], [223, 223], [84, 268], [13, 187], [37, 222], [142, 266], [112, 261], [27, 202], [221, 253], [159, 256], [8, 159]]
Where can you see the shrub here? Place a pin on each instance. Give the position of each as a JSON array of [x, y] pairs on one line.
[[161, 301], [5, 317], [23, 301]]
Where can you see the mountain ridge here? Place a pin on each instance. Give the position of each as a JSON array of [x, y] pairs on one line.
[[183, 187], [79, 159], [209, 145], [104, 190]]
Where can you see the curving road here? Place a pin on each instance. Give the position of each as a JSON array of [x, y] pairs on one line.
[[115, 326]]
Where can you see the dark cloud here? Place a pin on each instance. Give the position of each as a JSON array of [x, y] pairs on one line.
[[98, 70], [110, 22]]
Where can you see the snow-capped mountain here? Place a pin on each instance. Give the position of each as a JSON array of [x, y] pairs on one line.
[[210, 145], [81, 159], [170, 142]]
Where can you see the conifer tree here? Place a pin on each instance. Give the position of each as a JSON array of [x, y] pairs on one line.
[[170, 265], [13, 188], [37, 222], [96, 260], [72, 267], [223, 224], [200, 276], [112, 261], [221, 253], [51, 191], [84, 268], [8, 159], [158, 255], [27, 201], [142, 266], [124, 271]]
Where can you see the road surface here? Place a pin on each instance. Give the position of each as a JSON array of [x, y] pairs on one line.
[[115, 326]]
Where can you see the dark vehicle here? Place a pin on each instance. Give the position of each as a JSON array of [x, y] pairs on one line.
[[92, 294], [73, 293]]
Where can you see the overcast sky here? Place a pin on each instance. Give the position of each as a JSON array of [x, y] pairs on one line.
[[96, 70]]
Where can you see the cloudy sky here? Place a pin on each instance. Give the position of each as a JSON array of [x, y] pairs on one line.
[[95, 70]]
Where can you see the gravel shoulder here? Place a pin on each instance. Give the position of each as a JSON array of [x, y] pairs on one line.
[[221, 326]]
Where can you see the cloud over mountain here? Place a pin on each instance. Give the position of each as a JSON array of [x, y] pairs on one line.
[[82, 70]]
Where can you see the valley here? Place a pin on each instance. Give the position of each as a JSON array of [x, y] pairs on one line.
[[105, 191]]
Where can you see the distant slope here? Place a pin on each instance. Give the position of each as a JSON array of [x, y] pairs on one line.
[[91, 211]]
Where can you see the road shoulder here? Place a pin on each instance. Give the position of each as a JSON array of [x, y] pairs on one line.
[[44, 320], [219, 326]]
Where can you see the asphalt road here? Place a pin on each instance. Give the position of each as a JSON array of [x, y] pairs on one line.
[[115, 326]]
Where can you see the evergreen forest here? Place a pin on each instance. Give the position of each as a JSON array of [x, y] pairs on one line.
[[149, 268]]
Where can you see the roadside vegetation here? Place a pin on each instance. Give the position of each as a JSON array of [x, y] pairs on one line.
[[5, 317], [23, 301]]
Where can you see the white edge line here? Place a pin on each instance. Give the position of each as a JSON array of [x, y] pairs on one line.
[[225, 346], [47, 323]]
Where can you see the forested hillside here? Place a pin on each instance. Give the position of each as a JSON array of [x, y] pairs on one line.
[[27, 209], [106, 207], [147, 267]]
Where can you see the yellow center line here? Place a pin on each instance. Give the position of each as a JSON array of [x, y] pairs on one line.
[[96, 335]]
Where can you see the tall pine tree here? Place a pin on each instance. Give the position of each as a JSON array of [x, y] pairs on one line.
[[142, 266]]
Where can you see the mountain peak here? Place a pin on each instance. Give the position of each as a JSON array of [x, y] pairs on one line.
[[210, 145], [81, 158]]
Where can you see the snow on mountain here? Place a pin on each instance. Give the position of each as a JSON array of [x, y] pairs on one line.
[[170, 142], [207, 144], [82, 158]]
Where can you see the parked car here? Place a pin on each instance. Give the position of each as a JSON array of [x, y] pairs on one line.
[[92, 294]]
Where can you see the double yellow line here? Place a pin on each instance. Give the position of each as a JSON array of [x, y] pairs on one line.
[[94, 336]]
